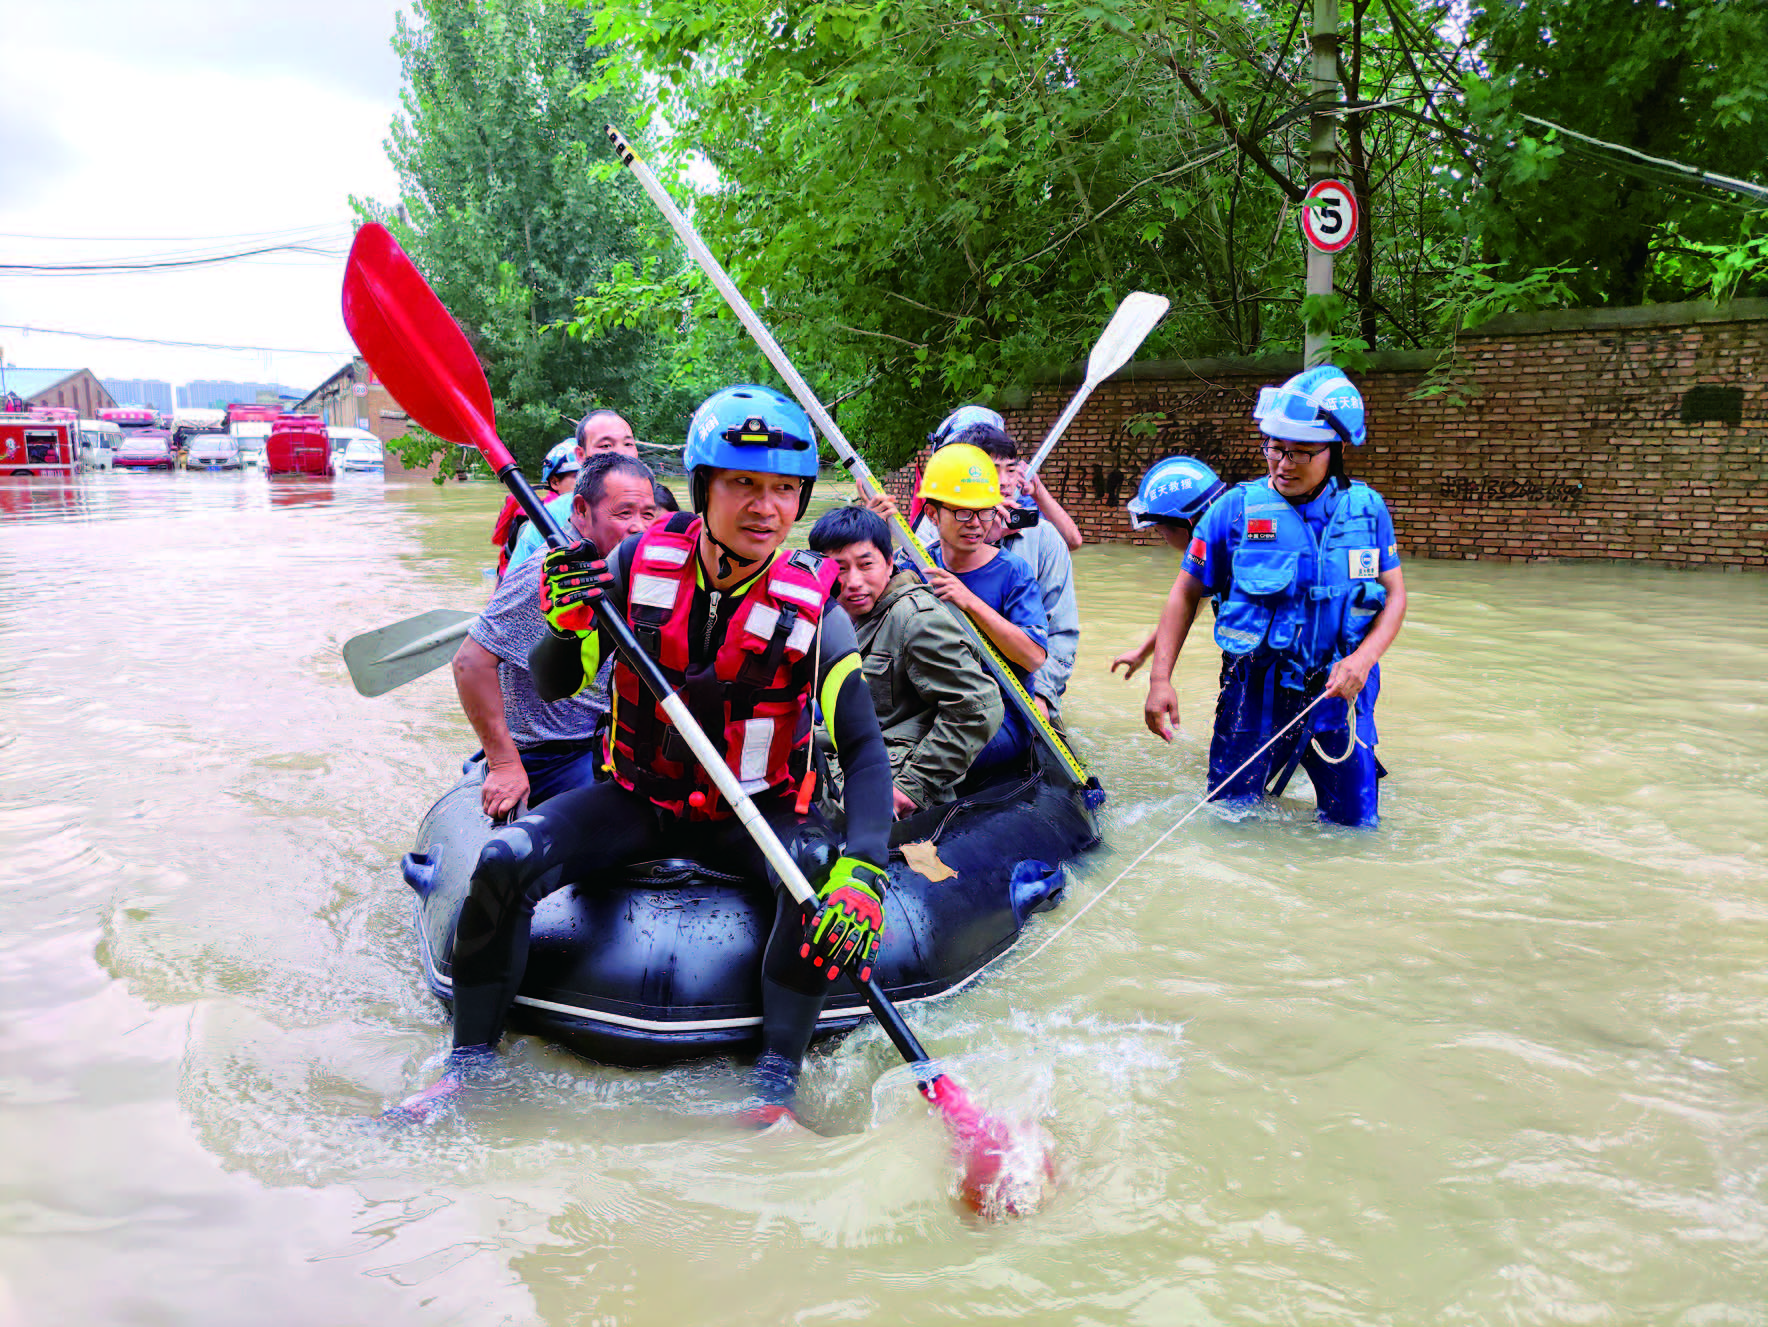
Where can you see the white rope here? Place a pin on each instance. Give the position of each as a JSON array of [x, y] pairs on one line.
[[1349, 746], [1177, 825]]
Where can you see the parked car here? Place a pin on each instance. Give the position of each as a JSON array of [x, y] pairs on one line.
[[359, 454], [145, 449], [342, 435], [212, 451]]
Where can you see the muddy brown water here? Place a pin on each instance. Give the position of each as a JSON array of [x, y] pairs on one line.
[[1503, 1061]]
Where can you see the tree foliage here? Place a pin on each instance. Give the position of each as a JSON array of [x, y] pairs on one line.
[[941, 200], [511, 214], [1682, 80]]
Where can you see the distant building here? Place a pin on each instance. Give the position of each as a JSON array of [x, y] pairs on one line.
[[354, 398], [216, 394], [150, 392], [199, 394], [75, 389]]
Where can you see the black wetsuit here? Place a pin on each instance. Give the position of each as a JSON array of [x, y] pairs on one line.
[[588, 834]]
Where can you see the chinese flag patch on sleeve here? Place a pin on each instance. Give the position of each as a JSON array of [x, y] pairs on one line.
[[1197, 551]]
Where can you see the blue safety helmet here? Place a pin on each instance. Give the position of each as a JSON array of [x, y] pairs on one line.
[[750, 428], [562, 459], [965, 416], [1178, 489], [1320, 405]]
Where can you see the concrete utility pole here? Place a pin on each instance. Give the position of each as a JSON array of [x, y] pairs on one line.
[[1322, 150]]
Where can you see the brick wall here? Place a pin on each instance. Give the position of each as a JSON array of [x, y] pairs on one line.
[[1634, 434]]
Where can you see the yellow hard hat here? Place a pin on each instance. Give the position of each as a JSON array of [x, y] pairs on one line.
[[960, 475]]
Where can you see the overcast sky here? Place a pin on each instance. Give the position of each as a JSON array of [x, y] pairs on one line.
[[139, 132]]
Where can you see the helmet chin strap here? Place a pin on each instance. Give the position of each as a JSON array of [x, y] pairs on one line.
[[726, 554]]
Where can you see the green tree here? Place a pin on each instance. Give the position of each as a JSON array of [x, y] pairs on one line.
[[510, 210], [1682, 80], [936, 201]]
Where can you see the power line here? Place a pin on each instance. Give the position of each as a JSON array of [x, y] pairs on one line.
[[184, 345], [114, 269], [238, 237]]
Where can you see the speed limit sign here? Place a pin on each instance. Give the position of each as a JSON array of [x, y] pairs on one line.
[[1330, 223]]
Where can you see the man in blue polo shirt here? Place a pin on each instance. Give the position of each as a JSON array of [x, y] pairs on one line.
[[1305, 573]]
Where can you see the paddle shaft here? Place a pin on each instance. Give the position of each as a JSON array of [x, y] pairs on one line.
[[855, 463], [1060, 426]]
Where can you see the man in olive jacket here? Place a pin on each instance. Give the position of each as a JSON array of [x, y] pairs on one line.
[[937, 705]]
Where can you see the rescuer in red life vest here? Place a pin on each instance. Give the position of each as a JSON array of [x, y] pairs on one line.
[[748, 633]]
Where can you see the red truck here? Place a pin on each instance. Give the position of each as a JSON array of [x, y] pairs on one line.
[[298, 445], [32, 445]]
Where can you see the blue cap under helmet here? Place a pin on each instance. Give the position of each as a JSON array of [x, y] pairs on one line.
[[1180, 488], [965, 416], [1320, 405], [750, 428]]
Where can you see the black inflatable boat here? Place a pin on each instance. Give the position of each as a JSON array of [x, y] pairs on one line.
[[669, 966]]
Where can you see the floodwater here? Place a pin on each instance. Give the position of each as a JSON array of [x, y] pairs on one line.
[[1503, 1061]]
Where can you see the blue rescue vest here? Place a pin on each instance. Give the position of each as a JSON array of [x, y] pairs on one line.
[[1311, 602]]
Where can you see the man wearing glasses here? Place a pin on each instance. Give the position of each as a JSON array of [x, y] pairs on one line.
[[960, 491], [1305, 574]]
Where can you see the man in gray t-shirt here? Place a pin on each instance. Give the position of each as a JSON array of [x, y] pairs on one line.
[[537, 749]]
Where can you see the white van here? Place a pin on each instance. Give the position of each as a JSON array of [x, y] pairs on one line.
[[98, 443], [342, 436], [251, 436]]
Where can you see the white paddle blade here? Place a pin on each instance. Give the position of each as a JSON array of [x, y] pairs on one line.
[[1128, 328]]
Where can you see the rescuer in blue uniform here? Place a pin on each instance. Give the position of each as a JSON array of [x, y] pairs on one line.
[[1306, 578], [1171, 498]]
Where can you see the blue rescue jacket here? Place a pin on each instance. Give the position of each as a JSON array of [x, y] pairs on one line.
[[1309, 602]]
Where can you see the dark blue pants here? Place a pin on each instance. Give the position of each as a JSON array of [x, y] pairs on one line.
[[556, 767], [1252, 706], [587, 835]]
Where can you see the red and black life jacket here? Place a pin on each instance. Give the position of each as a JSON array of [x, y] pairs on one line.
[[753, 692]]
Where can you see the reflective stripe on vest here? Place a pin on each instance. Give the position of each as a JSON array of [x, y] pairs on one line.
[[1309, 601], [752, 693]]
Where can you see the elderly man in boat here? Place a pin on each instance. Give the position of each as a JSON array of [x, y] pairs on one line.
[[748, 634], [936, 703], [536, 748]]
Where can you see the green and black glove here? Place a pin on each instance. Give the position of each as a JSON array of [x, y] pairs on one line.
[[847, 925], [572, 581]]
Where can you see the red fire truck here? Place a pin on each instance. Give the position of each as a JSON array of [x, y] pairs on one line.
[[33, 445], [298, 445]]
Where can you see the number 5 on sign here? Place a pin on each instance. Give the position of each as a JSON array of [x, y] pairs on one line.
[[1329, 215]]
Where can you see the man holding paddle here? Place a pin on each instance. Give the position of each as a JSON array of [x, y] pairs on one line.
[[747, 634]]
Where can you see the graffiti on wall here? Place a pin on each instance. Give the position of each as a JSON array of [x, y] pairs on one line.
[[1488, 491], [1159, 422], [1637, 377]]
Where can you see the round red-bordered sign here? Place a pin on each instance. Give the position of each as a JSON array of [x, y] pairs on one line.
[[1331, 224]]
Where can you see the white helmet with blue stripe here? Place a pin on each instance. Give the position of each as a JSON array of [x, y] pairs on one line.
[[965, 416], [562, 459], [1320, 405]]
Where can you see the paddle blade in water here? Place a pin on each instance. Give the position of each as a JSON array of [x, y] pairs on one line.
[[415, 347], [1005, 1168]]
